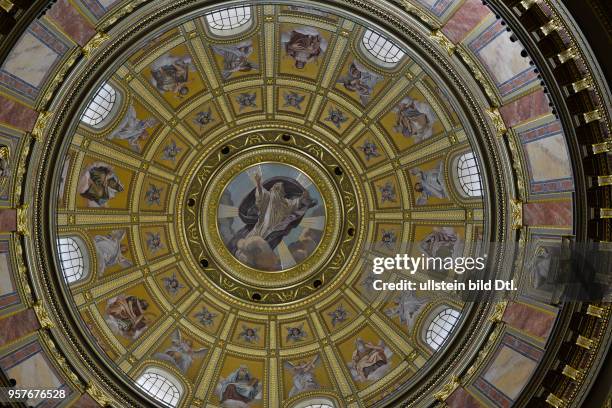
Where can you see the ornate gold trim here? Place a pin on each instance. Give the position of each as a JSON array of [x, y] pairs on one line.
[[447, 389], [98, 395], [94, 43], [43, 317], [516, 208], [22, 220]]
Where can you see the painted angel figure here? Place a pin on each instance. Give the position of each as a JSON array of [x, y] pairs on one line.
[[303, 376], [431, 183], [99, 184], [303, 44], [361, 80], [442, 242], [181, 352], [132, 129], [235, 57], [110, 250], [406, 307]]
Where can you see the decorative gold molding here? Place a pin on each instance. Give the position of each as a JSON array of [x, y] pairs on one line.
[[498, 311], [423, 16], [479, 76], [516, 208], [552, 25], [22, 220], [604, 147], [572, 373], [59, 358], [58, 78], [605, 212], [582, 84], [122, 12], [498, 121], [98, 395], [7, 5], [555, 401], [604, 180], [447, 389], [568, 54], [94, 43], [527, 4], [42, 315], [41, 124], [444, 42], [584, 342], [595, 311], [592, 116]]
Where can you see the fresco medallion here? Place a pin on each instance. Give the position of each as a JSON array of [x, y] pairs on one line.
[[271, 217]]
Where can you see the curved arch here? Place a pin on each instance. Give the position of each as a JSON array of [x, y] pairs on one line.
[[161, 385], [443, 321], [104, 103], [466, 175], [316, 402], [74, 258], [380, 50], [229, 21]]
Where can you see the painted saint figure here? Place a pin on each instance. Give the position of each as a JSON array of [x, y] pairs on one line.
[[275, 212], [368, 359], [303, 376], [303, 44], [125, 315], [441, 242], [239, 388], [414, 119], [110, 251], [235, 57], [171, 74], [361, 80], [181, 352], [99, 184], [431, 183], [132, 129]]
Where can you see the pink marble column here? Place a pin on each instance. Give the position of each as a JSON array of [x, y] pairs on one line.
[[71, 21], [8, 220], [16, 114], [18, 325]]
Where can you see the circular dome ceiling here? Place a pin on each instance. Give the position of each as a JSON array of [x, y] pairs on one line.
[[218, 180], [227, 187]]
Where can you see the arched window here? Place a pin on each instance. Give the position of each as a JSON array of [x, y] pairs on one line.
[[468, 174], [441, 327], [74, 262], [100, 106], [161, 386], [230, 20], [315, 403], [381, 48]]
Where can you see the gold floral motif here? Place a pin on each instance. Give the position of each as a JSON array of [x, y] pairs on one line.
[[516, 208], [22, 220], [498, 311], [444, 42], [94, 43], [419, 13], [98, 395], [41, 124], [498, 121], [447, 389], [42, 315]]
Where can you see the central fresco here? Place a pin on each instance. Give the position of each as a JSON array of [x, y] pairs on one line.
[[230, 206], [280, 220]]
